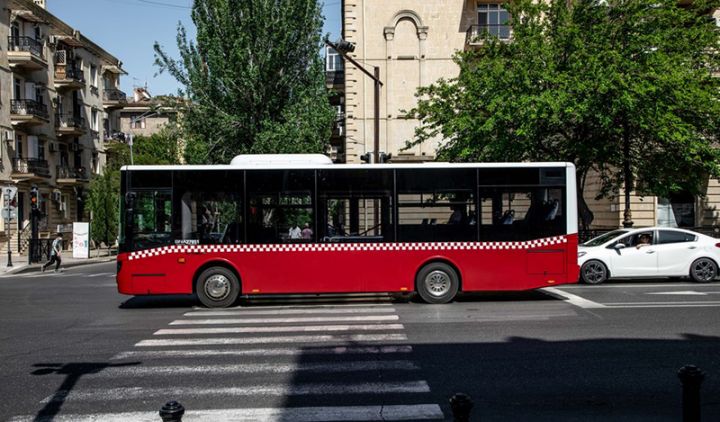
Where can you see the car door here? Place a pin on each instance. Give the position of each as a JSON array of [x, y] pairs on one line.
[[676, 250], [634, 259]]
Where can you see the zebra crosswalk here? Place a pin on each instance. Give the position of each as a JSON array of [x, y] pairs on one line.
[[276, 363]]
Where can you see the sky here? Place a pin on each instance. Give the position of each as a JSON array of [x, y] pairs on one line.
[[127, 29]]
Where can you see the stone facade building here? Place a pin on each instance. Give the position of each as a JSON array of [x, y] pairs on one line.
[[412, 43], [59, 100]]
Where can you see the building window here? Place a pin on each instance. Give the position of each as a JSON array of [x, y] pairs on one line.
[[94, 120], [333, 60], [41, 149], [494, 19], [137, 123], [678, 210], [93, 75]]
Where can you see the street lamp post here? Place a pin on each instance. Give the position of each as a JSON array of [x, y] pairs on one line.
[[343, 47]]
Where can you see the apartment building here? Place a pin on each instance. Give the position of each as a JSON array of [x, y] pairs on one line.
[[335, 83], [59, 100], [412, 43], [145, 115]]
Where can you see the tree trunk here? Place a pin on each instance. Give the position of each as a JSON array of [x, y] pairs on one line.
[[627, 178], [584, 212]]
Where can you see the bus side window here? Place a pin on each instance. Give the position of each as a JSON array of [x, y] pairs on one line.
[[211, 218], [151, 218]]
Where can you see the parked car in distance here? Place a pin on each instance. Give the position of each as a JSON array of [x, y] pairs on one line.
[[649, 252]]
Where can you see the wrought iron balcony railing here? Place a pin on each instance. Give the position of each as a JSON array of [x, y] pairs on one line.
[[70, 73], [28, 107], [31, 166], [69, 121], [65, 172], [476, 33], [28, 44], [113, 94]]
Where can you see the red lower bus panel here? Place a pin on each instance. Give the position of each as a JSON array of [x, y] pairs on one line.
[[359, 267]]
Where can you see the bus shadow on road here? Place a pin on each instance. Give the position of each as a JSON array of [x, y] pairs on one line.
[[160, 301]]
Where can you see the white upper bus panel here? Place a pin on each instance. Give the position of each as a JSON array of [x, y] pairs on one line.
[[280, 160]]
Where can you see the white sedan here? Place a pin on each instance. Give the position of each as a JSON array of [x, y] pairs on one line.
[[648, 253]]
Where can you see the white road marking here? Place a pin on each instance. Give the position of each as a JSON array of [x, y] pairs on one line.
[[572, 299], [339, 338], [667, 305], [633, 286], [133, 393], [287, 329], [101, 275], [310, 305], [296, 414], [285, 320], [257, 368], [683, 293], [339, 350], [290, 311]]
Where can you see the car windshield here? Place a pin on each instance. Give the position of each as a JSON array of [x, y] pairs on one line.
[[597, 241]]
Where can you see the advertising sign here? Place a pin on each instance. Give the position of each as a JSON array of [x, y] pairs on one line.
[[81, 240]]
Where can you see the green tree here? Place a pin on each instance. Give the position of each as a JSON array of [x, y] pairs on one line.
[[104, 193], [254, 79], [622, 87]]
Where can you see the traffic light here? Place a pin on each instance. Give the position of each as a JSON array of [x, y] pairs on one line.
[[34, 198]]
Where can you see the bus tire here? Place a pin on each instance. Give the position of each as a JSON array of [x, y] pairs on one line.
[[217, 287], [437, 282]]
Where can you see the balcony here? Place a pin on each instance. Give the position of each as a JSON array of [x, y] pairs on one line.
[[29, 168], [71, 176], [28, 111], [114, 98], [68, 76], [477, 34], [26, 53], [69, 124]]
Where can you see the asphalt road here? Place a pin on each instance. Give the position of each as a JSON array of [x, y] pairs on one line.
[[72, 348]]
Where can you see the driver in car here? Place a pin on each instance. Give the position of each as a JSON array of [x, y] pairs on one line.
[[644, 240]]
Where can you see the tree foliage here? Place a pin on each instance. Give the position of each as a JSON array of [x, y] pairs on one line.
[[254, 79], [104, 193], [624, 87]]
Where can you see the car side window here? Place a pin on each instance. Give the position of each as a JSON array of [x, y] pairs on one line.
[[637, 239], [671, 236]]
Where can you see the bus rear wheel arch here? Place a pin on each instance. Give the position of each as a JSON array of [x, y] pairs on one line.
[[217, 286], [437, 282]]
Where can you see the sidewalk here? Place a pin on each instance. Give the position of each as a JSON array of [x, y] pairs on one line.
[[20, 263]]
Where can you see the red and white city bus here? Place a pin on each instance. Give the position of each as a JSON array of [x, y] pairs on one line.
[[299, 224]]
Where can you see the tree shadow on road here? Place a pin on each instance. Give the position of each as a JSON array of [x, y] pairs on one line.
[[73, 371]]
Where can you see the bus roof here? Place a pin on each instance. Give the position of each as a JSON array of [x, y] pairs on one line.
[[289, 166]]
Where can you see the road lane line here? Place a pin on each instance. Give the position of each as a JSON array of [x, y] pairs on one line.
[[133, 393], [340, 338], [572, 299], [676, 305], [296, 414], [289, 329], [290, 311], [257, 368], [339, 350], [308, 306], [285, 320]]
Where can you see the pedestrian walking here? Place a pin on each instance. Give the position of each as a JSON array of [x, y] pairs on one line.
[[55, 254]]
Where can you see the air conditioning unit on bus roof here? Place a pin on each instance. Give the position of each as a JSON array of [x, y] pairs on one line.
[[262, 160]]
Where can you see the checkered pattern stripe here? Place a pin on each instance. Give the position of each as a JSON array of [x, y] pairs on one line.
[[336, 247]]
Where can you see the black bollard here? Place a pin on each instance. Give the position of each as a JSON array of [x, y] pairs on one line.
[[691, 377], [172, 411], [461, 404]]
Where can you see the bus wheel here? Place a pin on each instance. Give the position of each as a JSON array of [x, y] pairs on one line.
[[437, 283], [217, 287]]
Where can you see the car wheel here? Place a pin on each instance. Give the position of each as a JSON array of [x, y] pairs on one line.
[[703, 270], [594, 272], [437, 283], [217, 287]]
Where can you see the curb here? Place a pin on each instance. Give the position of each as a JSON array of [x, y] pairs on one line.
[[25, 268]]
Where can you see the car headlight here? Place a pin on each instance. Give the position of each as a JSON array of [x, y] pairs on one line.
[[581, 254]]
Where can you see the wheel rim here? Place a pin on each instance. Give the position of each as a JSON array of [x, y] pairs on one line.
[[704, 270], [217, 287], [594, 272], [438, 283]]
